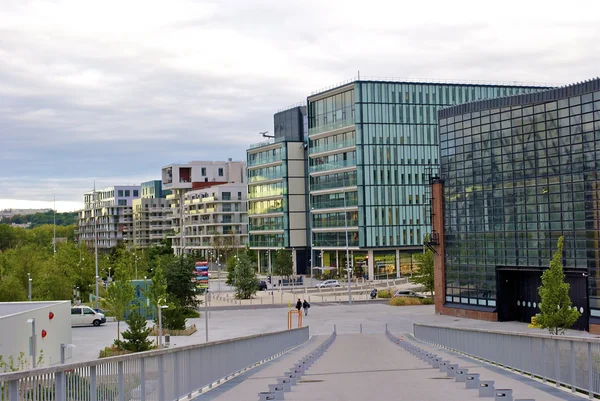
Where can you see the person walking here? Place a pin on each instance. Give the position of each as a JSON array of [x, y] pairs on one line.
[[299, 305], [305, 306]]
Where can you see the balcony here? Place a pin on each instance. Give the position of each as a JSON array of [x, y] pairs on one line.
[[335, 204], [266, 194], [331, 126], [266, 227], [332, 146], [350, 182], [335, 223], [264, 160], [265, 177], [209, 199], [332, 166]]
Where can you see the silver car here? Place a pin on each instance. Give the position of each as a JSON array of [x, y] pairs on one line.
[[329, 284]]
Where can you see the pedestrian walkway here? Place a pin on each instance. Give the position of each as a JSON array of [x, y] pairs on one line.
[[361, 366]]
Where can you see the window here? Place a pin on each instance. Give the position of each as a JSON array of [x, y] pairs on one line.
[[88, 311], [203, 171], [122, 202], [127, 192], [76, 311], [136, 193], [220, 172], [120, 192]]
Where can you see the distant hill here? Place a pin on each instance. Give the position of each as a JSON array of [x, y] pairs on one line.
[[39, 219]]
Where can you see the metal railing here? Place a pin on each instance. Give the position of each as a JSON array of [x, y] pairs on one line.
[[568, 361], [170, 373]]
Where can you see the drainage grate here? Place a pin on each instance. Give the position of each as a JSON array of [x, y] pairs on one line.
[[309, 381], [441, 378]]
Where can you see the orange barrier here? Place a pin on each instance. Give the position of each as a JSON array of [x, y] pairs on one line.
[[290, 318]]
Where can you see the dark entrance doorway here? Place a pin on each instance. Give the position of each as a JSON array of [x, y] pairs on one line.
[[518, 297]]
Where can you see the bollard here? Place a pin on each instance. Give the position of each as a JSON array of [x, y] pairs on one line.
[[266, 396], [277, 389], [486, 388], [503, 395], [436, 363], [472, 380], [452, 370], [293, 378], [361, 328], [444, 366], [460, 375], [285, 383]]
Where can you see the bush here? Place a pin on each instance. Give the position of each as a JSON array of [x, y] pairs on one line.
[[135, 339], [408, 301], [190, 313], [384, 294], [174, 318]]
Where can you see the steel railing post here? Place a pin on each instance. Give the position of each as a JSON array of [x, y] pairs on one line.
[[143, 379], [544, 360], [590, 372], [93, 384], [177, 376], [572, 363], [556, 363], [13, 390], [120, 381], [59, 378], [161, 377]]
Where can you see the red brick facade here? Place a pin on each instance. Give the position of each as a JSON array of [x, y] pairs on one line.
[[595, 329]]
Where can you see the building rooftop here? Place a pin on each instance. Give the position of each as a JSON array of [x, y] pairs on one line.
[[552, 93]]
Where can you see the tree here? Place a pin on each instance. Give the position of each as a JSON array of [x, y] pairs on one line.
[[246, 283], [117, 298], [136, 337], [283, 265], [157, 292], [180, 287], [11, 289], [231, 264], [556, 313], [425, 273]]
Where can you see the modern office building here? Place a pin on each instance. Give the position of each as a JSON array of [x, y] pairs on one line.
[[516, 174], [277, 191], [195, 175], [216, 219], [111, 208], [150, 213], [371, 148]]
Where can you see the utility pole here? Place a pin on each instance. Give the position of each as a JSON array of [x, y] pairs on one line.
[[95, 240]]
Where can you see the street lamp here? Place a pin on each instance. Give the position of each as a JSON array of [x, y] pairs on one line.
[[29, 280], [160, 308]]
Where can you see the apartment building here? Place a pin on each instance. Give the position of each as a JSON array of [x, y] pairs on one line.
[[150, 213], [111, 209], [215, 219], [371, 148], [181, 178], [277, 192]]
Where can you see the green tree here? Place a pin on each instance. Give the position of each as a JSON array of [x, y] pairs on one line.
[[246, 283], [556, 313], [174, 318], [283, 264], [231, 263], [157, 291], [117, 299], [180, 287], [424, 275], [136, 336], [11, 289]]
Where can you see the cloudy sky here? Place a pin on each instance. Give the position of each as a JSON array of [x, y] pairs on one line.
[[113, 90]]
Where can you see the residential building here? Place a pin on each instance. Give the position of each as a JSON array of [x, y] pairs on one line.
[[150, 213], [215, 219], [371, 148], [277, 192], [516, 174], [111, 208], [181, 178]]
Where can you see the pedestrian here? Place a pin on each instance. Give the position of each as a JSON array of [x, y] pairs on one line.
[[299, 305], [305, 306]]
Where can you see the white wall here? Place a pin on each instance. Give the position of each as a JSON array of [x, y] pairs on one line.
[[15, 331]]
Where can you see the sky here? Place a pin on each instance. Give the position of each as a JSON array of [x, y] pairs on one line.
[[111, 91]]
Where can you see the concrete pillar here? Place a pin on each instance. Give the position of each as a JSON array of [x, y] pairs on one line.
[[258, 259], [370, 266], [397, 263], [294, 262]]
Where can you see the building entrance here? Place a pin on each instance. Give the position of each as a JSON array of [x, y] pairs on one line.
[[518, 298]]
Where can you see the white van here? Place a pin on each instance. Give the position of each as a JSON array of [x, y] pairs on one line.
[[85, 316]]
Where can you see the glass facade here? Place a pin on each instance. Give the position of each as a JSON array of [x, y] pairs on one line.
[[518, 173], [381, 139]]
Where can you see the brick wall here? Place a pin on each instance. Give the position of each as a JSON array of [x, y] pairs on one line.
[[595, 329]]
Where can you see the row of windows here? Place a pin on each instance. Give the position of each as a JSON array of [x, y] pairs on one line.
[[332, 159], [393, 236], [267, 223], [398, 134], [400, 154], [335, 200], [338, 141], [264, 190], [325, 111], [388, 92], [394, 175], [336, 180], [266, 173], [526, 110], [127, 193], [265, 207], [267, 156]]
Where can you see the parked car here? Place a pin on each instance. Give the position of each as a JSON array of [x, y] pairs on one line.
[[328, 284], [407, 293], [262, 285], [85, 316]]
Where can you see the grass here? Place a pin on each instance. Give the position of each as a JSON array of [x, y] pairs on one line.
[[187, 332], [113, 350], [409, 301], [384, 294]]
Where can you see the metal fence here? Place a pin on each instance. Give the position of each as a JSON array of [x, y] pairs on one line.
[[154, 375], [568, 361]]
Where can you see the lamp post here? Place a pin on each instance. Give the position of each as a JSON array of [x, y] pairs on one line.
[[160, 308], [347, 249], [29, 280], [206, 300], [95, 242], [63, 347]]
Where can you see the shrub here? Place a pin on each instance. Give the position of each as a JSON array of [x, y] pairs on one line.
[[384, 294], [135, 339], [190, 313], [408, 301], [174, 318]]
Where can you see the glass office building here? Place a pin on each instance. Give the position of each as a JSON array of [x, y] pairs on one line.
[[277, 191], [372, 147], [518, 173]]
